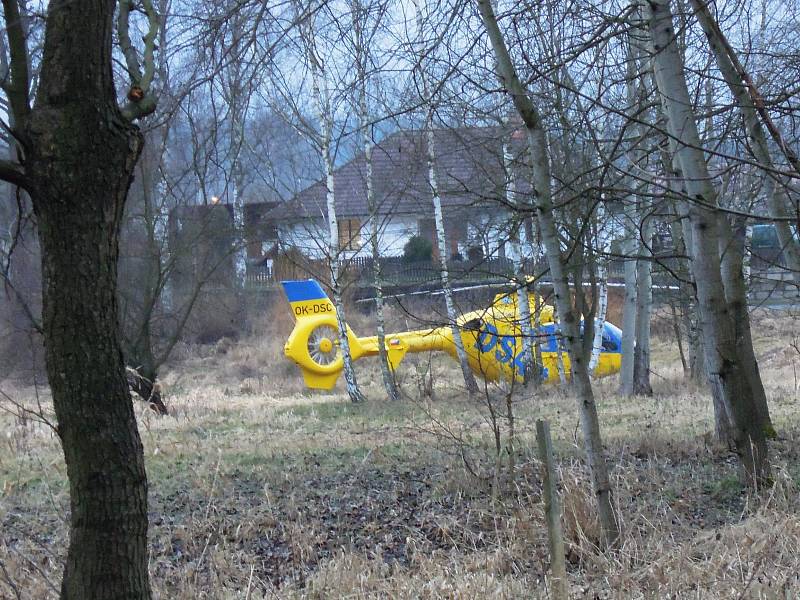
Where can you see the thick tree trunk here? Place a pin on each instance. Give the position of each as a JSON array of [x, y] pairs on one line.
[[79, 159], [568, 321], [723, 361], [732, 250], [81, 177]]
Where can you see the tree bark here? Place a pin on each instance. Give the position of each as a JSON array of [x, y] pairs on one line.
[[644, 304], [602, 308], [321, 99], [568, 321], [79, 160], [732, 250], [629, 247], [458, 342], [389, 383], [723, 362]]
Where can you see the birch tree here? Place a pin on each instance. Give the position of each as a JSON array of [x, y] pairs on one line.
[[441, 241], [321, 99], [602, 296], [542, 197], [360, 22]]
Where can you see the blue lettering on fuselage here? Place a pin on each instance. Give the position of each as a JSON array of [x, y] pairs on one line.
[[508, 346], [487, 339], [505, 346]]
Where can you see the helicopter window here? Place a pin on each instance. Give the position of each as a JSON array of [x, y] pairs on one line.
[[609, 345], [474, 324], [611, 341]]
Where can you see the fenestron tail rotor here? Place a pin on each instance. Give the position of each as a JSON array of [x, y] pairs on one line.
[[323, 345]]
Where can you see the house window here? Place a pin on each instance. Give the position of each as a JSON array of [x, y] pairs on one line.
[[350, 234]]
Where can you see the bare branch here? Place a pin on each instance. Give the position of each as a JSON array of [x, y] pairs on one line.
[[16, 85], [13, 173], [141, 100], [128, 51]]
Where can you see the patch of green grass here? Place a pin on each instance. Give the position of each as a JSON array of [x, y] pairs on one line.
[[725, 488]]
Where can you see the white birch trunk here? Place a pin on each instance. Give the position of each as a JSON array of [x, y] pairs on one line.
[[567, 318], [322, 102], [237, 106], [240, 252], [361, 51], [602, 308], [469, 378], [602, 292], [723, 364]]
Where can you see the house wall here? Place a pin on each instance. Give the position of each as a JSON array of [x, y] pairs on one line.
[[491, 232], [310, 236]]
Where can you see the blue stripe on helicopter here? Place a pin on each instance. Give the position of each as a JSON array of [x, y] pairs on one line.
[[300, 291]]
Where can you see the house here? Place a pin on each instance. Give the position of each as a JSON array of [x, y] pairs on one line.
[[471, 175]]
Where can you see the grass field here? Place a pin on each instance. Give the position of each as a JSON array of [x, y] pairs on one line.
[[261, 489]]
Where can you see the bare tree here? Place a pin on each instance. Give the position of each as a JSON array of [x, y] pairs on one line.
[[745, 95], [321, 97], [361, 45], [542, 195], [77, 148], [430, 109]]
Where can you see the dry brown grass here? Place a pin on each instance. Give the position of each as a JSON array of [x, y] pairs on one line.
[[261, 489]]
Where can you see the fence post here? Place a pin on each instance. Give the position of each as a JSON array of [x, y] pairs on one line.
[[552, 509]]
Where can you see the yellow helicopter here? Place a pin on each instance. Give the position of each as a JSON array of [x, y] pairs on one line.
[[492, 339]]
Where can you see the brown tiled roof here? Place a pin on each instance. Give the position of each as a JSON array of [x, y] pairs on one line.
[[469, 169]]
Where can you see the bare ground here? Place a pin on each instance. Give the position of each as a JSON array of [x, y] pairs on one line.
[[261, 489]]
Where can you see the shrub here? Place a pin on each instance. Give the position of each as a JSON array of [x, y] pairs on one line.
[[417, 249]]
